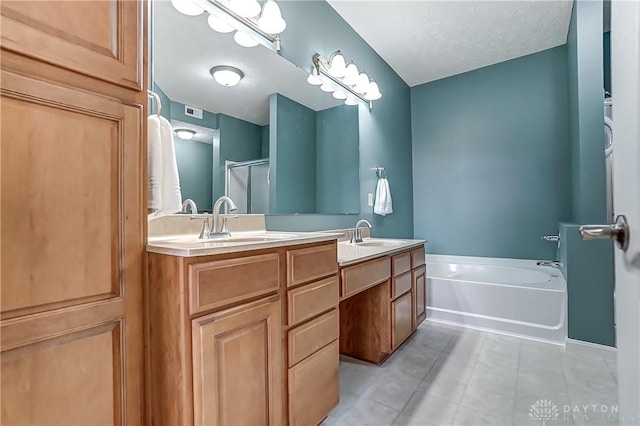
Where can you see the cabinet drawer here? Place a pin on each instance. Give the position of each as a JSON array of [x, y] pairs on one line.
[[312, 299], [401, 263], [401, 316], [400, 284], [417, 257], [314, 387], [359, 277], [308, 338], [222, 282], [311, 263]]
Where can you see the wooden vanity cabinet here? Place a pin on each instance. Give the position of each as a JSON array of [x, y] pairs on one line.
[[419, 286], [73, 215]]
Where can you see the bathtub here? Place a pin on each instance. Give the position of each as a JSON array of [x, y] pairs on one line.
[[510, 296]]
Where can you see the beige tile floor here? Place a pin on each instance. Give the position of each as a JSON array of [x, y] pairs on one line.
[[446, 375]]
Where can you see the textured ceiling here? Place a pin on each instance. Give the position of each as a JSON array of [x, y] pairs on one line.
[[428, 40], [185, 49]]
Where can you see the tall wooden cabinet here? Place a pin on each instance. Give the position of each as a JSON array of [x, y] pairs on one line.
[[72, 222]]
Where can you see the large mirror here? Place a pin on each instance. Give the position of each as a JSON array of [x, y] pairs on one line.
[[274, 143]]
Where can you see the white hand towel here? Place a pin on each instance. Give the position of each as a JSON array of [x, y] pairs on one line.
[[165, 196], [383, 205]]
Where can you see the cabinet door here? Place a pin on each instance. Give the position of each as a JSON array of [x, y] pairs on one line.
[[237, 365], [71, 255], [419, 295], [101, 39], [401, 319]]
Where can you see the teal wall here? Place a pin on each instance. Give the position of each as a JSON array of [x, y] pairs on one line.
[[264, 141], [194, 166], [385, 131], [292, 144], [337, 181], [587, 265], [491, 158], [606, 57]]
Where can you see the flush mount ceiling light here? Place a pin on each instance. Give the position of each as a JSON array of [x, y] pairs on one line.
[[186, 134], [335, 76], [253, 24], [226, 75]]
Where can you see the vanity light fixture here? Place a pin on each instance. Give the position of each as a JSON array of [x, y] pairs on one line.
[[253, 24], [226, 75], [314, 80], [344, 80], [186, 134]]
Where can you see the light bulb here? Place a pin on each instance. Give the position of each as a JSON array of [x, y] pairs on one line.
[[271, 19], [350, 101], [245, 8], [363, 83], [339, 94], [187, 7], [314, 80], [337, 67], [245, 40], [327, 88], [186, 134], [373, 93], [226, 75], [351, 75], [218, 24]]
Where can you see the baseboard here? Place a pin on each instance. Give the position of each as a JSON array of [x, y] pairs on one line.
[[593, 349]]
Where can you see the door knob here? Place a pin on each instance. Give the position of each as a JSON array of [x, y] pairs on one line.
[[619, 232]]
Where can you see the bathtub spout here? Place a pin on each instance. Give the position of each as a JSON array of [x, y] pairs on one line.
[[550, 263]]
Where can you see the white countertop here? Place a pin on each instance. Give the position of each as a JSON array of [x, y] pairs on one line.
[[189, 245], [370, 248]]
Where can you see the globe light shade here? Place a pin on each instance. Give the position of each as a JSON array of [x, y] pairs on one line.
[[337, 66], [373, 93], [314, 80], [226, 75], [339, 94], [363, 83], [271, 19], [351, 75], [350, 101], [187, 7], [186, 134], [245, 8], [327, 88], [218, 24], [245, 40]]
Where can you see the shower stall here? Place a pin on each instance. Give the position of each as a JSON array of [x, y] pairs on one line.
[[247, 183]]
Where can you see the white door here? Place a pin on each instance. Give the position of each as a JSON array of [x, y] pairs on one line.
[[625, 62]]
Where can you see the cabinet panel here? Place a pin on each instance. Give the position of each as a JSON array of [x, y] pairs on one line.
[[237, 366], [420, 295], [312, 299], [401, 319], [222, 282], [311, 263], [72, 379], [401, 263], [400, 284], [101, 39], [364, 275], [61, 195], [313, 387], [308, 338], [417, 257]]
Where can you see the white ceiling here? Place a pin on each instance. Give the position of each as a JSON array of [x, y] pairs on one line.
[[185, 49], [432, 39]]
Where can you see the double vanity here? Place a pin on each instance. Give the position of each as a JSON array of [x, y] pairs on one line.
[[248, 329]]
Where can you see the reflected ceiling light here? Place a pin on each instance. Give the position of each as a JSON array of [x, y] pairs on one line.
[[314, 80], [245, 8], [226, 75], [337, 66], [327, 88], [245, 40], [218, 24], [271, 19], [373, 93], [186, 134], [362, 85], [350, 85], [187, 7]]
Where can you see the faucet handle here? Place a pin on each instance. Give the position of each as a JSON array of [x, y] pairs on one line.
[[205, 233]]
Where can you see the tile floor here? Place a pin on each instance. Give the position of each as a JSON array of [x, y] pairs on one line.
[[446, 375]]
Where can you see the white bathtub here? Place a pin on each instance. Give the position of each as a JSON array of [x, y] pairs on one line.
[[505, 295]]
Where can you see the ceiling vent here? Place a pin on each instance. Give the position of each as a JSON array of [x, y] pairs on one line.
[[193, 112]]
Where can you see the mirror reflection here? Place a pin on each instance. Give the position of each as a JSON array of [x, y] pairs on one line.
[[272, 142]]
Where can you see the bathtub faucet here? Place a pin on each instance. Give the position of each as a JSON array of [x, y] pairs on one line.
[[550, 263]]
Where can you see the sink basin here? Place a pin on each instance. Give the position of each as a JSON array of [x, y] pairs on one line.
[[380, 243], [234, 239]]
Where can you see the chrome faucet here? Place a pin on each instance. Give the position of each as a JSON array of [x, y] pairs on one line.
[[550, 263], [356, 237], [221, 229], [189, 203]]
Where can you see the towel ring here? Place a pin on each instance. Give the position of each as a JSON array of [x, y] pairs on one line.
[[381, 172], [153, 95]]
